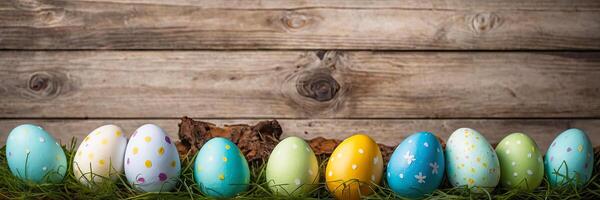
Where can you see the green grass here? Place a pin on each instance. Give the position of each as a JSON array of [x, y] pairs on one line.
[[70, 188]]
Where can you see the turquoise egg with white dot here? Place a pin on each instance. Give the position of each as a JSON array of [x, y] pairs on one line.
[[220, 169], [569, 159], [34, 155], [471, 161], [416, 167]]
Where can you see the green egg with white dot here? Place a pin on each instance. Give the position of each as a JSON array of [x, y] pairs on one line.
[[34, 155], [521, 163], [292, 168]]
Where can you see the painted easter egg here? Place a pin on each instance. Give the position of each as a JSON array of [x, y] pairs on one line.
[[220, 169], [521, 165], [34, 155], [100, 155], [471, 161], [292, 169], [570, 159], [416, 167], [354, 167], [151, 160]]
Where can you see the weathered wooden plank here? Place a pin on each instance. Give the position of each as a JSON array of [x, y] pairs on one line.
[[295, 84], [571, 5], [219, 24], [389, 132]]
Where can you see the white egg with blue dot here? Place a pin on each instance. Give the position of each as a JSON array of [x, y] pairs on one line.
[[34, 155]]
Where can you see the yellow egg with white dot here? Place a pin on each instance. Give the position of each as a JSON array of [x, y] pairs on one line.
[[100, 155], [355, 166]]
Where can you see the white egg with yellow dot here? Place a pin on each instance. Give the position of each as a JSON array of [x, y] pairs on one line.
[[471, 161], [151, 160], [100, 155]]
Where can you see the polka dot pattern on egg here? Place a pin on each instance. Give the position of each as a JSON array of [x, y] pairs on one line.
[[32, 150], [357, 159], [222, 170], [101, 152], [520, 168], [573, 148], [416, 168], [153, 159], [471, 161]]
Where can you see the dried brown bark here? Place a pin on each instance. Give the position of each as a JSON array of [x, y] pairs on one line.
[[255, 141]]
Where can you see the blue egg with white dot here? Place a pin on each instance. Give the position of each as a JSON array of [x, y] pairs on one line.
[[220, 169], [34, 155], [570, 159], [416, 167]]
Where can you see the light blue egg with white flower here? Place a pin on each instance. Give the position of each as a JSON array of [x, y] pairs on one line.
[[220, 169], [569, 159], [34, 155], [416, 167]]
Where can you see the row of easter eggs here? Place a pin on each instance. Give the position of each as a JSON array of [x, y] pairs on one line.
[[416, 168]]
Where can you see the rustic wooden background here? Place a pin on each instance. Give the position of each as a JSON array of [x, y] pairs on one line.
[[323, 68]]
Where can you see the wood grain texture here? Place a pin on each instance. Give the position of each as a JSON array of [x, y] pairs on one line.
[[389, 132], [298, 84], [220, 24]]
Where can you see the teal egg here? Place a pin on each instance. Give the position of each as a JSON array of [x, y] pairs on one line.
[[34, 155], [570, 159], [220, 169]]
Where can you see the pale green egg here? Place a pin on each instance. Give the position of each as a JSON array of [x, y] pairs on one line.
[[292, 169]]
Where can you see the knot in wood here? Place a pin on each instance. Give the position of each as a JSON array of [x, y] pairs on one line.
[[38, 82], [26, 4], [44, 84], [294, 21], [50, 17], [318, 85], [484, 22]]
